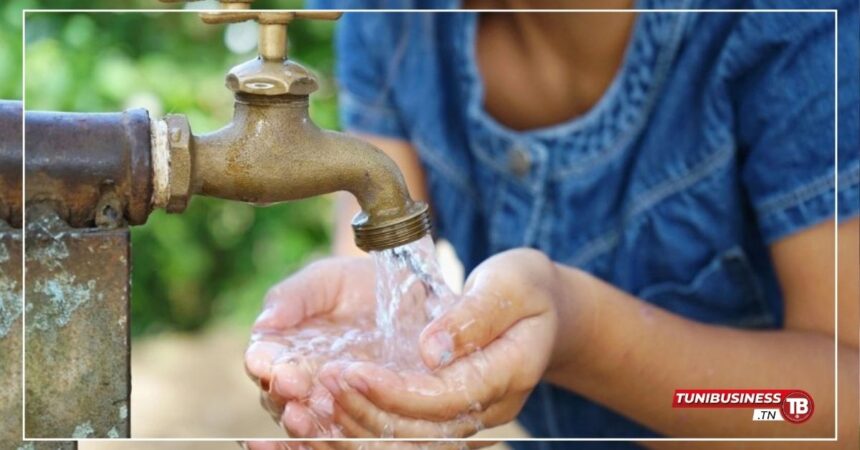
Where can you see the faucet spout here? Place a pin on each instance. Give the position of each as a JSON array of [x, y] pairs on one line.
[[272, 152]]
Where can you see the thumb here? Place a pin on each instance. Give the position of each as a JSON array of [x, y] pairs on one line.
[[486, 310]]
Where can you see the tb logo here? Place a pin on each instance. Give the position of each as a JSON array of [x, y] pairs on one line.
[[797, 407]]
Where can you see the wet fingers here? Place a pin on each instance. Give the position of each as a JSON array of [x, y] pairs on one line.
[[436, 397], [299, 421]]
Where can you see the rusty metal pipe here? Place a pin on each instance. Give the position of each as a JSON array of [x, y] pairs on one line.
[[94, 168], [10, 163]]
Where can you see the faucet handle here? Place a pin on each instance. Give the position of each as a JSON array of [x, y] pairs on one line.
[[225, 4], [236, 4], [272, 42], [272, 73], [234, 15]]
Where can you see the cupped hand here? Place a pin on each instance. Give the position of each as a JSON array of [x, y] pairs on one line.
[[488, 352], [363, 445], [324, 312]]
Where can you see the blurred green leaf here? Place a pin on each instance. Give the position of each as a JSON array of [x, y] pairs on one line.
[[10, 49]]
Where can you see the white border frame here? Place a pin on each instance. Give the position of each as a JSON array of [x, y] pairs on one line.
[[835, 13]]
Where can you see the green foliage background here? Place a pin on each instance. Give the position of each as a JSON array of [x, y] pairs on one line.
[[216, 260], [10, 49]]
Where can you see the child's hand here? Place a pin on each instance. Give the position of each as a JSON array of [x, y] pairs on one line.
[[364, 445], [306, 323], [491, 349]]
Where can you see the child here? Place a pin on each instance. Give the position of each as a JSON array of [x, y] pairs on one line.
[[672, 176]]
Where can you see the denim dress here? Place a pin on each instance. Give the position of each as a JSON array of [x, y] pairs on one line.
[[716, 138]]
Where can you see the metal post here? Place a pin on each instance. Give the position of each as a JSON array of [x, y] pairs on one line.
[[88, 177], [77, 360], [10, 334], [11, 285]]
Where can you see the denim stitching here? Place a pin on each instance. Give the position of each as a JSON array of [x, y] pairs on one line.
[[704, 168], [849, 194], [495, 236], [539, 189], [455, 176], [664, 64], [545, 238], [594, 248], [491, 162], [350, 103], [650, 199], [394, 66], [808, 191], [721, 262]]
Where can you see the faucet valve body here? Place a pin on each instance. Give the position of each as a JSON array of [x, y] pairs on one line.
[[272, 152]]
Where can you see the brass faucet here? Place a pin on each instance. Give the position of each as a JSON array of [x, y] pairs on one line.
[[273, 152]]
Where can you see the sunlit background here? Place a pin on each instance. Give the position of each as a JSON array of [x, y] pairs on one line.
[[198, 277]]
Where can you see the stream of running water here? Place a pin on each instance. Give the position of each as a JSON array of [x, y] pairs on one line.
[[410, 293]]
